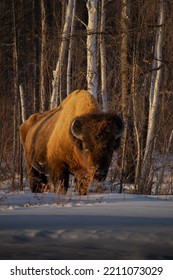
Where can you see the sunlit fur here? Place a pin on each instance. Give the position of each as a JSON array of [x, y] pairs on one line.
[[52, 152]]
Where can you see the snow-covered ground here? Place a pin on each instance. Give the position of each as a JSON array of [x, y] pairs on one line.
[[96, 226]]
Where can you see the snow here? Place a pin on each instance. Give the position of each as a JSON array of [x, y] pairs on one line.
[[96, 226]]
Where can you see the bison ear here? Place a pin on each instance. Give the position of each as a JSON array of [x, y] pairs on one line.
[[76, 129]]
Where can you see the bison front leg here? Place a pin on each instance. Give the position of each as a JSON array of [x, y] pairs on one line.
[[60, 181], [37, 181]]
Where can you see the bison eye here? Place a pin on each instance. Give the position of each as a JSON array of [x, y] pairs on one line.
[[79, 144]]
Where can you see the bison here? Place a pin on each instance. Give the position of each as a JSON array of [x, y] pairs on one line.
[[75, 138]]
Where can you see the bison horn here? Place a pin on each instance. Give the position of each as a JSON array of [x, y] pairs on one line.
[[76, 129]]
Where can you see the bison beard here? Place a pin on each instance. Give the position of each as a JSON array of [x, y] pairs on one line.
[[75, 138]]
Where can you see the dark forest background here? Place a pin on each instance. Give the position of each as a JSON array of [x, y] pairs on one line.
[[24, 61]]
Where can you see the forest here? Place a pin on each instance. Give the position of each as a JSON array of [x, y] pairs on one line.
[[119, 50]]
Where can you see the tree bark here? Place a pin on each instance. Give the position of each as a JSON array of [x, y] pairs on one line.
[[43, 55], [22, 102], [153, 102], [136, 116], [62, 51], [15, 86], [92, 47], [70, 50], [103, 57], [124, 93]]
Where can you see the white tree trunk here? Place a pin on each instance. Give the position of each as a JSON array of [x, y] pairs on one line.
[[15, 90], [154, 90], [57, 72], [136, 118], [69, 65], [91, 47], [42, 60], [103, 56], [22, 102], [124, 79]]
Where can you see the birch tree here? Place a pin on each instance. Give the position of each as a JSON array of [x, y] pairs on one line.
[[69, 64], [125, 159], [146, 177], [36, 24], [22, 102], [136, 117], [62, 52], [23, 117], [103, 56], [43, 54], [15, 86], [91, 47]]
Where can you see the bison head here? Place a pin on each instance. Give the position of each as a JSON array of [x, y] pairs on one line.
[[97, 135]]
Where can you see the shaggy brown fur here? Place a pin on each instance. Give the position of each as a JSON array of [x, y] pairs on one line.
[[53, 150]]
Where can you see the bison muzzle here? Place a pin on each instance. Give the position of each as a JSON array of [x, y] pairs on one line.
[[75, 138]]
